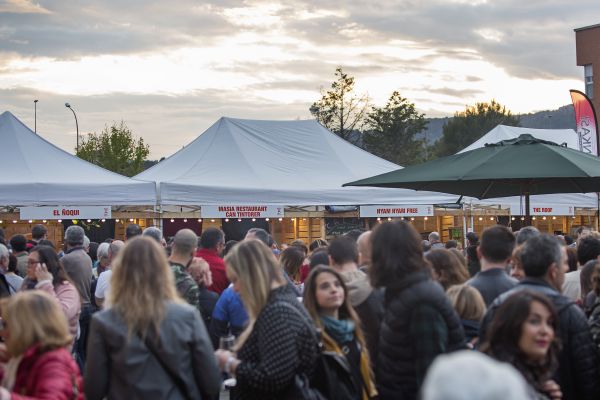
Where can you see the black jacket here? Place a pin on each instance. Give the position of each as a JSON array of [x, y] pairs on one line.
[[578, 370], [396, 371]]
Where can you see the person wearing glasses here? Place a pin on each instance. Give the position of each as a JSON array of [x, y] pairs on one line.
[[44, 272]]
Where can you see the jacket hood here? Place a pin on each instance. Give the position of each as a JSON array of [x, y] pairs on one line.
[[359, 287]]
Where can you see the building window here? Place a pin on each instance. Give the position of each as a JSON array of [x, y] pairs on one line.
[[589, 80]]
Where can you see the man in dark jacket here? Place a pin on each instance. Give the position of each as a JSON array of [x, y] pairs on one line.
[[494, 251], [368, 303], [544, 261]]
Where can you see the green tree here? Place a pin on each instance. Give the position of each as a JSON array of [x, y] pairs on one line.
[[340, 110], [393, 131], [468, 126], [115, 149]]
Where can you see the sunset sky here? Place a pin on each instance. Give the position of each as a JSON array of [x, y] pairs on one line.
[[170, 69]]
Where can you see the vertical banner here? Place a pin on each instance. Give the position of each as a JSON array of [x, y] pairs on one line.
[[587, 124]]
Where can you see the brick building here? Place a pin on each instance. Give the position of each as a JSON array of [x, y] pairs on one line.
[[587, 42]]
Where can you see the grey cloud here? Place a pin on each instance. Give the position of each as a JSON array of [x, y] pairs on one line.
[[454, 92], [109, 27]]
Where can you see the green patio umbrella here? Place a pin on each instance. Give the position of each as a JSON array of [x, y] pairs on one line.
[[522, 166]]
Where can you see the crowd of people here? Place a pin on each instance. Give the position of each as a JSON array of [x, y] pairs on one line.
[[381, 314]]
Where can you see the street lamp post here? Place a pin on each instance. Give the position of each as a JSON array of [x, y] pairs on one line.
[[76, 124], [35, 115]]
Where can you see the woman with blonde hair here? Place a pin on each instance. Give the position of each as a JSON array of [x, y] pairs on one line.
[[470, 307], [37, 337], [148, 343], [279, 342], [326, 299]]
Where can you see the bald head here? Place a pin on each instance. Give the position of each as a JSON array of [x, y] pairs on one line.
[[185, 243], [113, 249], [364, 249]]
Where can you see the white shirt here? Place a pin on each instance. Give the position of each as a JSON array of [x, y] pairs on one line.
[[572, 285], [103, 285]]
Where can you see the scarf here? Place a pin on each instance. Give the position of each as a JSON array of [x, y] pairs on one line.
[[340, 330]]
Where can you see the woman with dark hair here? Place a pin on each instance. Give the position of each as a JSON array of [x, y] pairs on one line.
[[291, 260], [44, 272], [327, 302], [446, 267], [419, 322], [522, 333]]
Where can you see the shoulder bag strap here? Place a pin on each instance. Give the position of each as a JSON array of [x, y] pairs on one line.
[[172, 374]]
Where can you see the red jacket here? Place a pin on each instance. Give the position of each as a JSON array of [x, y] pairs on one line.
[[217, 269], [52, 375]]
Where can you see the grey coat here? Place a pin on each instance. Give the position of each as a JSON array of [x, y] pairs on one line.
[[120, 369]]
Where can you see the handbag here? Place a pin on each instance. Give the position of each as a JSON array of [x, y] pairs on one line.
[[172, 374]]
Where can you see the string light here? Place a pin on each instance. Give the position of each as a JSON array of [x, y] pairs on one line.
[[481, 218], [553, 217], [199, 219], [253, 219], [533, 218], [130, 219], [522, 218], [1, 221], [172, 220], [389, 219], [491, 218], [60, 220], [544, 218], [30, 221], [212, 220], [185, 220], [379, 219], [226, 219], [280, 219], [412, 218], [44, 221], [14, 221], [512, 219], [239, 220], [117, 220], [89, 220], [267, 219], [425, 218], [103, 220]]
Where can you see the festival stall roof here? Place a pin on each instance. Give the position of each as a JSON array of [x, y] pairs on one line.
[[35, 172], [290, 163], [568, 136]]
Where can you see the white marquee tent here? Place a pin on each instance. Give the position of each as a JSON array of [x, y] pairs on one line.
[[35, 173], [290, 163], [568, 136]]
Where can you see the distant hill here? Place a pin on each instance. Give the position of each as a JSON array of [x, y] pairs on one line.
[[561, 118]]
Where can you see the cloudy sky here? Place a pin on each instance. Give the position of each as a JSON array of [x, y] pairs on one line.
[[170, 69]]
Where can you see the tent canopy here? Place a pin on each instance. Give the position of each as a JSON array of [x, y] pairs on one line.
[[275, 162], [35, 172]]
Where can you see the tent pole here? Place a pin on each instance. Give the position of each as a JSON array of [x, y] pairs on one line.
[[527, 210]]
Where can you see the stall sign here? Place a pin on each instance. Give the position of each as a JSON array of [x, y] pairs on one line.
[[397, 211], [66, 212], [242, 211], [543, 209]]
